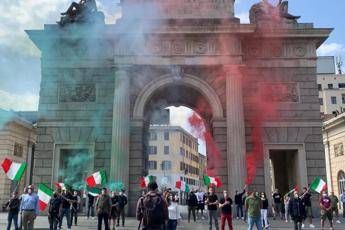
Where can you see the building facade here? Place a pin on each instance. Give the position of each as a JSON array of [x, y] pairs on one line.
[[17, 143], [253, 84], [174, 156], [334, 141]]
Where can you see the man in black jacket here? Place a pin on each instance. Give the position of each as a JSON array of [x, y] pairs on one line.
[[55, 205], [13, 209], [239, 203], [297, 211], [122, 202], [192, 205]]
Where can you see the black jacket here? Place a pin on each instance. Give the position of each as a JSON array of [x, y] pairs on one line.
[[297, 209], [238, 198], [192, 200], [13, 205]]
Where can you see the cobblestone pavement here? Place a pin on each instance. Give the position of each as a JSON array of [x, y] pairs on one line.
[[131, 223]]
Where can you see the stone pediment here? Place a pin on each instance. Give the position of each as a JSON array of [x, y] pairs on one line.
[[165, 9]]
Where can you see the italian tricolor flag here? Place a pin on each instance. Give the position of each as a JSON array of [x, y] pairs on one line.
[[318, 185], [212, 181], [44, 195], [93, 191], [13, 170], [96, 179], [182, 186], [144, 181], [60, 185]]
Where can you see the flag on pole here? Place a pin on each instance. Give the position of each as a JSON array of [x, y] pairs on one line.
[[93, 191], [96, 179], [44, 195], [318, 185], [295, 189], [212, 181], [182, 186], [60, 185], [13, 170], [144, 181]]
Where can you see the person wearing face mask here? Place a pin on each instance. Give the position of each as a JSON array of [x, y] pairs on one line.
[[253, 205], [55, 205], [13, 209], [122, 202], [174, 212], [29, 208], [264, 209], [114, 208], [297, 211], [103, 207], [75, 207], [326, 210], [225, 205]]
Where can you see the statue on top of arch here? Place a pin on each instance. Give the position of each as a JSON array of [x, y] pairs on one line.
[[83, 12], [266, 11]]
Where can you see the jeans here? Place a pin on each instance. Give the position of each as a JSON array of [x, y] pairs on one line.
[[53, 221], [343, 210], [66, 212], [90, 209], [101, 217], [213, 215], [264, 217], [191, 209], [239, 210], [172, 224], [12, 216], [74, 214], [256, 221], [121, 213], [226, 217]]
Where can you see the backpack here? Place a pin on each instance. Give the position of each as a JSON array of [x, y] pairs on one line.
[[153, 210]]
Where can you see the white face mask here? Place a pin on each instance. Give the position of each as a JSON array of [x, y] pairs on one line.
[[29, 190], [324, 195]]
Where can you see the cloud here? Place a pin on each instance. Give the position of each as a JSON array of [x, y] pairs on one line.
[[18, 102], [244, 17], [331, 49]]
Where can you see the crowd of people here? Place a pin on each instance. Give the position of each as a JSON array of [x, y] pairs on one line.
[[162, 210]]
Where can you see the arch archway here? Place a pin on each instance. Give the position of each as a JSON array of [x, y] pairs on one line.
[[341, 181]]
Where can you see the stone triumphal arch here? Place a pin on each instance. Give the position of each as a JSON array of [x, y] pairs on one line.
[[100, 82]]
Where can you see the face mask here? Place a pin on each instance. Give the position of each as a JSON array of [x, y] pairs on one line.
[[324, 195], [121, 193], [29, 190], [296, 195]]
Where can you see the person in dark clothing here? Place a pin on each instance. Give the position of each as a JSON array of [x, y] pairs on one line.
[[75, 208], [103, 207], [306, 199], [264, 210], [212, 206], [192, 205], [152, 209], [55, 205], [239, 203], [13, 209], [113, 212], [297, 211], [225, 204], [66, 208], [122, 202], [90, 206], [277, 204]]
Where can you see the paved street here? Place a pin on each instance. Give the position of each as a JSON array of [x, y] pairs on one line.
[[42, 223]]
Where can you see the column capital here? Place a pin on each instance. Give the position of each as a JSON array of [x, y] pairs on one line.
[[232, 69]]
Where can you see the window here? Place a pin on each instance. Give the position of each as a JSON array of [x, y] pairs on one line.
[[166, 150], [319, 86], [341, 85], [152, 165], [334, 100], [330, 86], [166, 136], [153, 150], [182, 152], [18, 150], [321, 101], [341, 182], [343, 98], [184, 139], [166, 165], [153, 136], [338, 150]]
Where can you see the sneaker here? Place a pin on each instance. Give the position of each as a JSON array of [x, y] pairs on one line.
[[286, 221], [311, 226], [338, 221], [302, 225]]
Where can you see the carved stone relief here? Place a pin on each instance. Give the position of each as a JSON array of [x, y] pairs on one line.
[[77, 93], [280, 92]]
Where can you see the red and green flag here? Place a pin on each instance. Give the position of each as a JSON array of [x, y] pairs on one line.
[[98, 178], [44, 194], [144, 181], [93, 191], [183, 186], [318, 185], [212, 181], [13, 170]]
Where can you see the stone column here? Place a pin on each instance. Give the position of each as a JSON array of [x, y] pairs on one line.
[[119, 165], [236, 149]]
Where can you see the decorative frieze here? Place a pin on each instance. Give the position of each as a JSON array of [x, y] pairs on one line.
[[280, 92], [77, 93]]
